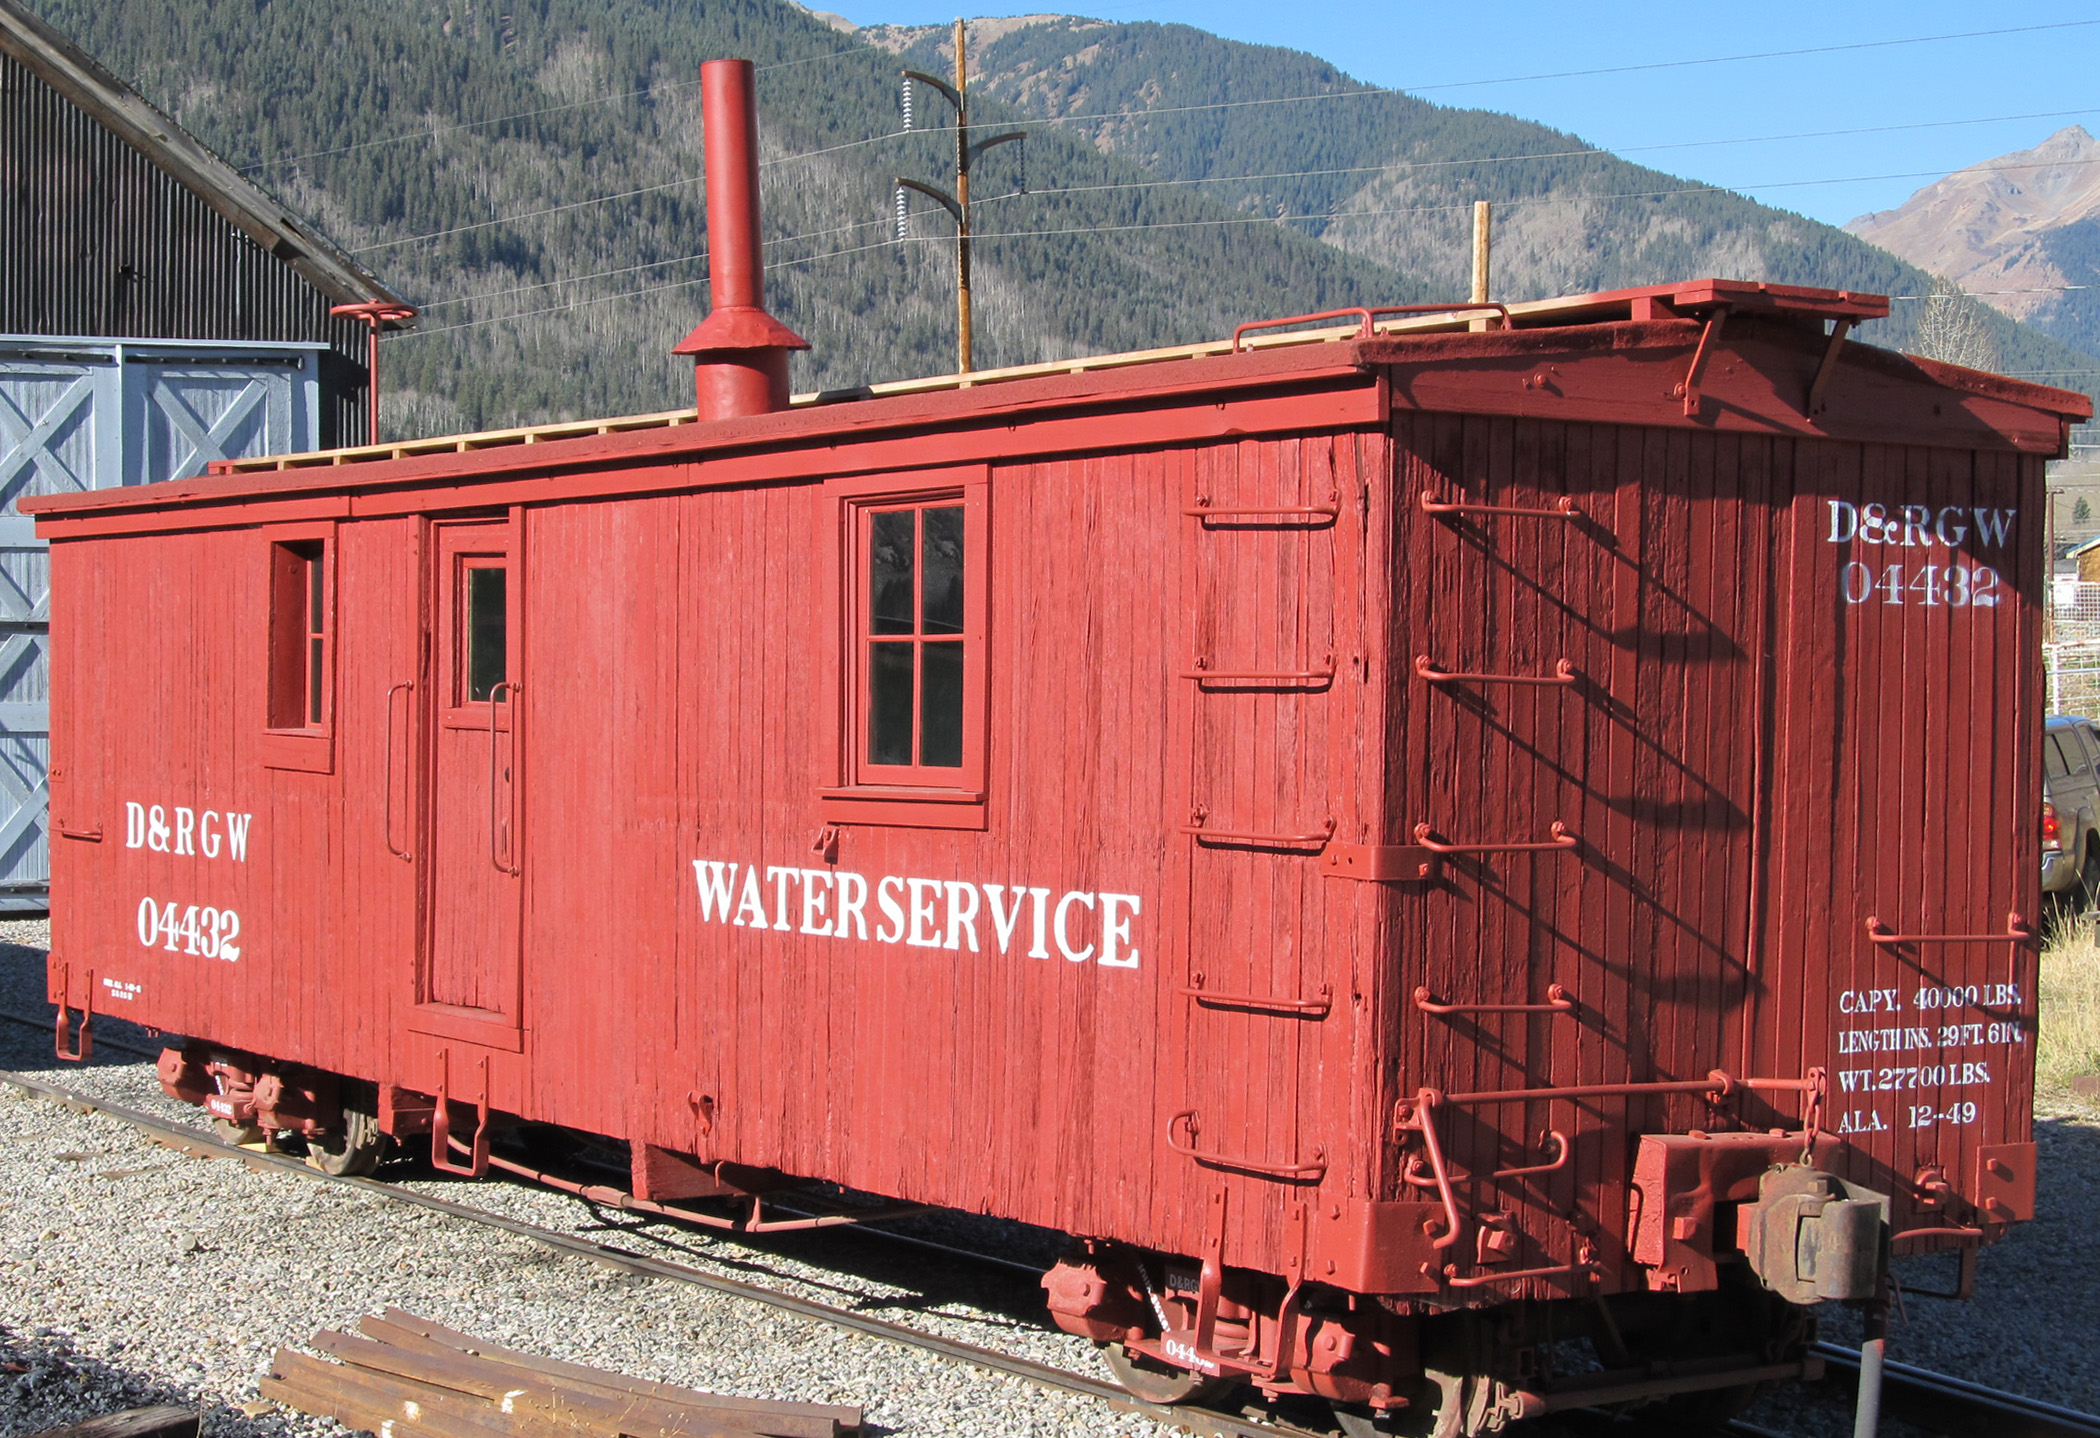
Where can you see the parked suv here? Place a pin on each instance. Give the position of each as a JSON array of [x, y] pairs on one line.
[[2071, 809]]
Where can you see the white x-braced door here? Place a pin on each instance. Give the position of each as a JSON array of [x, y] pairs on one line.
[[95, 414]]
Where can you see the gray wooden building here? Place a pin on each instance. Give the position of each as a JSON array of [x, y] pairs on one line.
[[157, 312]]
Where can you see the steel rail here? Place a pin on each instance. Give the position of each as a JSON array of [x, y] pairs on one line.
[[1192, 1418], [1937, 1401], [1955, 1406]]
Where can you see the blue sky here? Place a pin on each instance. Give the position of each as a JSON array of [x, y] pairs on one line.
[[2019, 84]]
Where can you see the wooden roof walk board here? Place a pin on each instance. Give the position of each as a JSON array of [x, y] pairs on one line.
[[1695, 300]]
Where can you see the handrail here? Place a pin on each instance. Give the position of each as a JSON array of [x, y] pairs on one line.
[[1559, 1162], [1319, 514], [1563, 673], [1718, 1082], [2017, 932], [407, 856], [1423, 1120], [1202, 673], [1369, 314], [1565, 1270], [1292, 1171], [1562, 839], [1317, 1007], [1267, 841], [1563, 508], [1965, 1234], [496, 854], [1558, 1001]]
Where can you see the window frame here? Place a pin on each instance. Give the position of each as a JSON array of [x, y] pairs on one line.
[[307, 747], [462, 548], [856, 790]]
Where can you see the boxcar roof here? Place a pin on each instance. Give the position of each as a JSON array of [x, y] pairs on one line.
[[1620, 357]]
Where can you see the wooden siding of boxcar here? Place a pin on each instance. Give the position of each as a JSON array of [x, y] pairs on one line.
[[1740, 748], [163, 653], [675, 651]]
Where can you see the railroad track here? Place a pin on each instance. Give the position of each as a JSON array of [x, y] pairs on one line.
[[1934, 1401], [1204, 1422]]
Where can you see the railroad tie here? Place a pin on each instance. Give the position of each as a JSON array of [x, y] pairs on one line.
[[401, 1375]]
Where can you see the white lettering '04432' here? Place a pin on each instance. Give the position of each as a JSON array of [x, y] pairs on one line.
[[1084, 925], [207, 932]]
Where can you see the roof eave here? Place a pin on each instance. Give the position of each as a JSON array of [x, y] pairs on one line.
[[83, 81]]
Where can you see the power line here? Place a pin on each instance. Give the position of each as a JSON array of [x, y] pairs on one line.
[[1545, 155], [605, 199], [428, 132], [645, 290], [1372, 91], [1962, 293], [631, 269], [988, 236], [1274, 175], [1231, 104]]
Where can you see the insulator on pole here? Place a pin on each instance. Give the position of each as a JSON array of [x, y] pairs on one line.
[[903, 218], [907, 102]]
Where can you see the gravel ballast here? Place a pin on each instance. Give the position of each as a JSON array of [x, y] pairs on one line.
[[139, 1275]]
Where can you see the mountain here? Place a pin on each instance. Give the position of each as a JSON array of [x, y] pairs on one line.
[[528, 171], [2016, 231], [1391, 178]]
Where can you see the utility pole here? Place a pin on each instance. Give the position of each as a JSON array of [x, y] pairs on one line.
[[958, 203], [1481, 213]]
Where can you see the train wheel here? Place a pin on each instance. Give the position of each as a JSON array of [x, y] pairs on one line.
[[1437, 1412], [1155, 1382], [240, 1135], [353, 1153]]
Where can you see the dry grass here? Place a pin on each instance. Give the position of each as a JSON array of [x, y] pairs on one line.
[[2068, 1045]]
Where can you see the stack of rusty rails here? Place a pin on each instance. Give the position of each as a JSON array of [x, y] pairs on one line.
[[406, 1377]]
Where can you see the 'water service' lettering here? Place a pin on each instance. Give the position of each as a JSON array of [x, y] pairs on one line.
[[1082, 926]]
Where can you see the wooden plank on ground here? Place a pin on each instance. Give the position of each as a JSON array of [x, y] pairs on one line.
[[846, 1415], [362, 1400], [625, 1415], [158, 1422]]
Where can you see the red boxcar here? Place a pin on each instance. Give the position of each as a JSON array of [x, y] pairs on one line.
[[1468, 812]]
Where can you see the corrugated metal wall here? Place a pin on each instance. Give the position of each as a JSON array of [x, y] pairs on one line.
[[99, 241]]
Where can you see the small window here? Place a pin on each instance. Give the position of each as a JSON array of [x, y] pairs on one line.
[[912, 684], [487, 633], [299, 635], [298, 719], [2054, 765], [916, 664]]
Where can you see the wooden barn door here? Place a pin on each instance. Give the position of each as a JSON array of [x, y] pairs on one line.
[[468, 984]]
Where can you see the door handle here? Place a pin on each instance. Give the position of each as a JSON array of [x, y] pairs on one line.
[[502, 850], [404, 855]]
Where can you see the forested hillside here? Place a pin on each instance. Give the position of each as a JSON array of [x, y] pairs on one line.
[[475, 220], [528, 171], [1392, 178]]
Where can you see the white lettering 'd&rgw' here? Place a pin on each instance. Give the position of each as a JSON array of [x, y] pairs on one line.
[[1084, 925], [1918, 526], [195, 832]]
